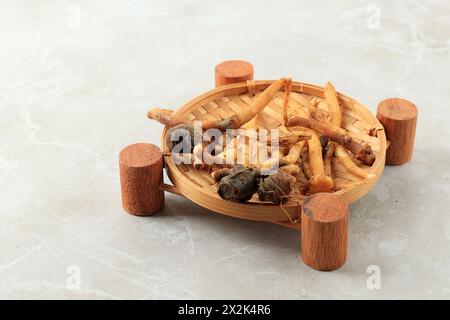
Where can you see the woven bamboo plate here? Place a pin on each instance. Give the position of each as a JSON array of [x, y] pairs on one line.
[[199, 187]]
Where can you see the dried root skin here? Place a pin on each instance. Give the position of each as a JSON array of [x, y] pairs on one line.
[[220, 173], [333, 104], [305, 163], [239, 185], [234, 121], [294, 154], [294, 137], [276, 187], [238, 120], [287, 92], [291, 169], [319, 182], [343, 156], [328, 159], [362, 151], [164, 116], [260, 102]]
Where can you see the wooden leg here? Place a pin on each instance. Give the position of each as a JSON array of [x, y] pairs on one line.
[[141, 175], [233, 71], [324, 231], [399, 118]]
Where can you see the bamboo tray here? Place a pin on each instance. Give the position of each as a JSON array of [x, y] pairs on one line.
[[199, 187]]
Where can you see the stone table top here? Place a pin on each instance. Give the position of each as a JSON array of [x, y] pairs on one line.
[[76, 81]]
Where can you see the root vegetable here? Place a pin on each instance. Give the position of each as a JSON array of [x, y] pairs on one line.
[[291, 169], [273, 161], [312, 108], [276, 187], [362, 151], [287, 92], [324, 143], [328, 157], [234, 121], [239, 184], [239, 119], [319, 182], [293, 155], [293, 137], [343, 156], [305, 163], [164, 116]]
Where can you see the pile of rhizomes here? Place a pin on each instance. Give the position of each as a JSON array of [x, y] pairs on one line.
[[310, 138]]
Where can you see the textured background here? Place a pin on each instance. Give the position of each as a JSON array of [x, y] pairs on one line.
[[76, 79]]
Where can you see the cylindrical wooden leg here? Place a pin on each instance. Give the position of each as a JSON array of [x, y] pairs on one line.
[[399, 118], [141, 174], [233, 71], [324, 231]]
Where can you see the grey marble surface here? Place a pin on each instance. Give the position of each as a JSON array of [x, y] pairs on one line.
[[76, 79]]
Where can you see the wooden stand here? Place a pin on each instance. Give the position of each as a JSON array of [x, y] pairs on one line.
[[399, 118], [324, 231], [141, 175], [324, 216], [233, 71]]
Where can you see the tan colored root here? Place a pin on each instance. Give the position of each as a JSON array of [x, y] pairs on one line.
[[311, 106], [295, 109], [294, 154], [233, 151], [304, 160], [234, 121], [362, 151], [319, 182], [164, 116], [287, 92], [328, 159], [291, 169], [260, 102], [333, 104], [336, 119], [343, 156], [273, 161], [237, 120], [294, 137]]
